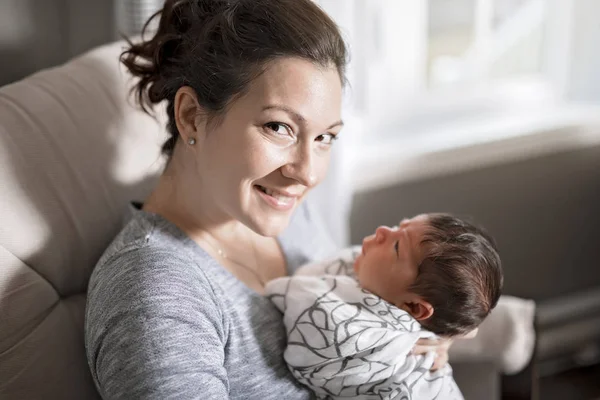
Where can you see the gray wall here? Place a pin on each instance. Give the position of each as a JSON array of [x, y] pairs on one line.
[[37, 34], [543, 212]]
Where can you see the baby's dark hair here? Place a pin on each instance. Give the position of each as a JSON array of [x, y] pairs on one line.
[[460, 275], [217, 47]]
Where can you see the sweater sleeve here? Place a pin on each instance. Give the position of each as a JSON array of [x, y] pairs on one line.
[[154, 329]]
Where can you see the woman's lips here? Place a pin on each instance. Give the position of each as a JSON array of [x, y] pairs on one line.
[[279, 200]]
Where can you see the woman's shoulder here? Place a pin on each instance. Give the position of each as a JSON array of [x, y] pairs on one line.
[[150, 252], [151, 271], [150, 304]]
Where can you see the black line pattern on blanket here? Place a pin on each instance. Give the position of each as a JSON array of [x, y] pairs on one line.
[[332, 332], [342, 348], [342, 266]]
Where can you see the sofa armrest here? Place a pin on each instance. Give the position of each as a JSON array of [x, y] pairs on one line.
[[478, 380]]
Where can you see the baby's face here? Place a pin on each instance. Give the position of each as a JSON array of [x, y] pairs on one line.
[[390, 258]]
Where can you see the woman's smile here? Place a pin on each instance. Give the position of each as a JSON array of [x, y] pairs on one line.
[[279, 200]]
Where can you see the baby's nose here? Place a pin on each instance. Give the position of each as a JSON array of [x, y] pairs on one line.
[[382, 233]]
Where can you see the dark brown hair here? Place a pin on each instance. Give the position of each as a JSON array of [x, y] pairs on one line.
[[460, 275], [217, 47]]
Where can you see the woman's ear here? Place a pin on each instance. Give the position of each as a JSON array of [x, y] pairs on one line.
[[417, 307], [187, 112]]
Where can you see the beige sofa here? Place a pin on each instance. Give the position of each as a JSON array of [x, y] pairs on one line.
[[73, 152]]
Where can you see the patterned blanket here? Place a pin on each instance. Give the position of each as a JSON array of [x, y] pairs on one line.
[[347, 343]]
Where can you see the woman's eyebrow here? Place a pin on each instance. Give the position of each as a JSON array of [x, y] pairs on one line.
[[296, 115], [336, 124]]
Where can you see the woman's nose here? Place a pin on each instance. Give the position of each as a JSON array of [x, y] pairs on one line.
[[301, 167], [382, 233]]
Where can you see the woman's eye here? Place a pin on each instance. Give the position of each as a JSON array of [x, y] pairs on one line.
[[279, 128], [327, 138]]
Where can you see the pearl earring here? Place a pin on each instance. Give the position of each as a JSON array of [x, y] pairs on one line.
[[191, 141]]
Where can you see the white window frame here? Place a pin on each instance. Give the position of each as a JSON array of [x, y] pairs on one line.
[[379, 133]]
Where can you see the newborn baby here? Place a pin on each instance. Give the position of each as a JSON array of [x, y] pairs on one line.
[[353, 320]]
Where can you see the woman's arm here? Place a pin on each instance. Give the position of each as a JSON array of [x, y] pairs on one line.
[[154, 330]]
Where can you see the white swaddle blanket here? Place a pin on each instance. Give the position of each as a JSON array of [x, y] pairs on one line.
[[346, 343]]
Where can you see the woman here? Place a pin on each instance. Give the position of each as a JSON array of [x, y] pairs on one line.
[[253, 91]]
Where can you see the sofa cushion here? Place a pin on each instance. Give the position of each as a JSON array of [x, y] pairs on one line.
[[73, 152]]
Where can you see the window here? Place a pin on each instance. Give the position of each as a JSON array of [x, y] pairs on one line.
[[431, 78], [474, 41], [418, 64]]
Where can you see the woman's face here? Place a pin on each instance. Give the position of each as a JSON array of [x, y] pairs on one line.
[[273, 144]]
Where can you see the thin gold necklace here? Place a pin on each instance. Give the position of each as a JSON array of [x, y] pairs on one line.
[[224, 256]]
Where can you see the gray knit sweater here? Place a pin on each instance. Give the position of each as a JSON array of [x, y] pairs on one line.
[[165, 321]]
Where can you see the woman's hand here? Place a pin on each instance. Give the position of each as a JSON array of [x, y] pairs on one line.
[[440, 346]]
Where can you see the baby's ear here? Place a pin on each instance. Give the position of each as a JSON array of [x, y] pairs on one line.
[[417, 307]]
